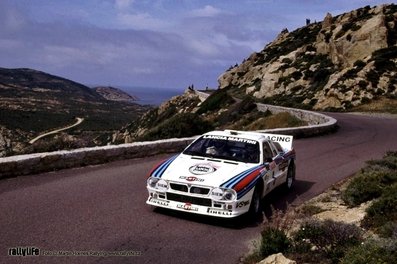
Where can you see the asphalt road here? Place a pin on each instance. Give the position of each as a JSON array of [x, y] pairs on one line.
[[101, 209]]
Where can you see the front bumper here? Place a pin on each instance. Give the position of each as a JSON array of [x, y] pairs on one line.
[[199, 205]]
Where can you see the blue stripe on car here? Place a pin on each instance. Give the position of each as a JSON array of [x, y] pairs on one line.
[[160, 170]]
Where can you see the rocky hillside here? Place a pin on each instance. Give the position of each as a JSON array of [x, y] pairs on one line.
[[114, 94], [190, 114], [340, 63], [33, 102]]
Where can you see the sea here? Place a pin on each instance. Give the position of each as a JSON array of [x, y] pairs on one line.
[[152, 95]]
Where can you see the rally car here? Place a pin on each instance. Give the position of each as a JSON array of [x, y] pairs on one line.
[[223, 173]]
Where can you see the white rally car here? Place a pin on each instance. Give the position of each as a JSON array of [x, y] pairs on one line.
[[223, 173]]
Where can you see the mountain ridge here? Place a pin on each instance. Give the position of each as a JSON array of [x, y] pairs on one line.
[[33, 102], [114, 94]]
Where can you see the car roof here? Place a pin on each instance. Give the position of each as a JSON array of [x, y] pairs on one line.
[[239, 134]]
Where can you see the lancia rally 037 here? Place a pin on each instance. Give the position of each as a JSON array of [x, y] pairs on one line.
[[223, 173]]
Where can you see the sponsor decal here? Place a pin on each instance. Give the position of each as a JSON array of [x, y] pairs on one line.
[[218, 212], [191, 178], [201, 169], [187, 207], [242, 204], [279, 138], [243, 140], [159, 202]]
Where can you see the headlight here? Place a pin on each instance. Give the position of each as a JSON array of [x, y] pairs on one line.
[[230, 195], [151, 182], [219, 194], [157, 183]]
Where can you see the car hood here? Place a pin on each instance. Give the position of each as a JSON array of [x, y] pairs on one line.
[[203, 171]]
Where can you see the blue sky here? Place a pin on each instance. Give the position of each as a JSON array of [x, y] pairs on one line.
[[150, 43]]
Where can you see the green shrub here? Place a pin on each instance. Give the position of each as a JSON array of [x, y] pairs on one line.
[[351, 74], [372, 182], [296, 75], [389, 161], [371, 252], [382, 214], [359, 64], [327, 37], [328, 238], [215, 101], [363, 84], [363, 188], [384, 59], [238, 111], [287, 61], [373, 76], [273, 241]]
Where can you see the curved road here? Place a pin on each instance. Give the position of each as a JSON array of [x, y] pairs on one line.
[[79, 120], [102, 208]]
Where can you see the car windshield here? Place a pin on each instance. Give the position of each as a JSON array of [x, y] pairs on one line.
[[225, 147]]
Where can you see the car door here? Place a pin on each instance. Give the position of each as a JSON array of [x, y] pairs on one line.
[[282, 164], [272, 170]]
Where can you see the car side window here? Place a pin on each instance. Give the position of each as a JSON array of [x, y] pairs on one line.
[[278, 147], [267, 152]]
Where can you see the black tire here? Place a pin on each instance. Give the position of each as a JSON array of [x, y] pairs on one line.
[[255, 209], [290, 180]]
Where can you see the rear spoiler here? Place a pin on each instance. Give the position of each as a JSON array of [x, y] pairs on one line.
[[284, 140]]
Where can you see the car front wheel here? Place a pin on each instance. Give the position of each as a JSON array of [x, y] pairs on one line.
[[256, 204]]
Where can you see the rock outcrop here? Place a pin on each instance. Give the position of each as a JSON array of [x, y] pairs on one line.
[[5, 143], [277, 259], [339, 63]]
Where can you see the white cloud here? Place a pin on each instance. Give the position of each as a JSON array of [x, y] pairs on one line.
[[207, 11], [203, 47]]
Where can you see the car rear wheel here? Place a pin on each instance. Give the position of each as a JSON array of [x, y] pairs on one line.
[[289, 182]]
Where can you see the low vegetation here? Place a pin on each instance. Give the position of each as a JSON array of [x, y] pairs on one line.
[[307, 239], [178, 126], [186, 116], [380, 105]]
